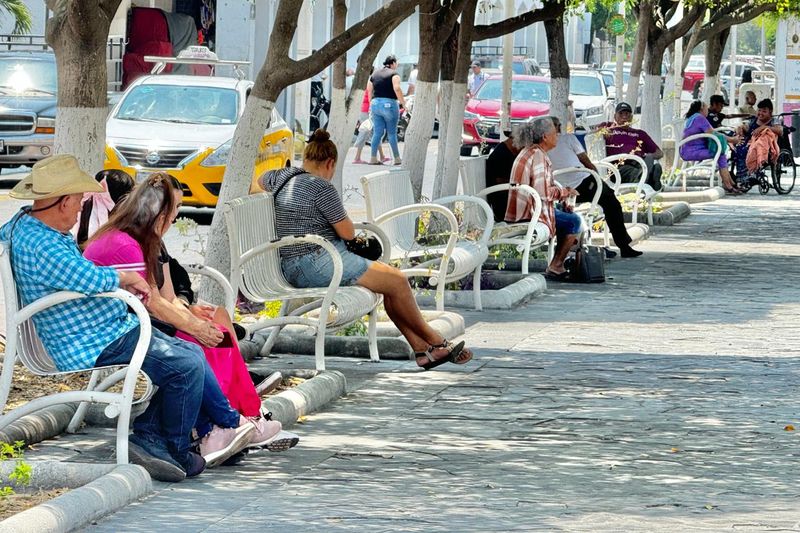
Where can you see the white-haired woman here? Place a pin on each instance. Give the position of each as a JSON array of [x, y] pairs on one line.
[[532, 167]]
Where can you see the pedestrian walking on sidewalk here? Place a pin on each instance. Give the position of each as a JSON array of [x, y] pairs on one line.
[[386, 97]]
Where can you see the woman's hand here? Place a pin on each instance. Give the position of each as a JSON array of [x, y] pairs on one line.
[[206, 332], [203, 312]]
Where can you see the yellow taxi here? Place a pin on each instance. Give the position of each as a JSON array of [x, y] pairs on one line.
[[184, 125]]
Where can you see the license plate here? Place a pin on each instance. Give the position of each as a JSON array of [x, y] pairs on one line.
[[142, 175]]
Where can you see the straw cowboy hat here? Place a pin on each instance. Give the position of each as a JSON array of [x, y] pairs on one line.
[[55, 176]]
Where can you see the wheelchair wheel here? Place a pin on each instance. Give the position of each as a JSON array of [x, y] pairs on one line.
[[784, 173], [763, 184]]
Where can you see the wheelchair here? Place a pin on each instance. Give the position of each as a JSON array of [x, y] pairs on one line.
[[779, 175]]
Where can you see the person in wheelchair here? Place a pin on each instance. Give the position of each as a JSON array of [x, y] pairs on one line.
[[764, 136]]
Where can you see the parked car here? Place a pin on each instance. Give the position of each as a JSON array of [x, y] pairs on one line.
[[609, 78], [27, 107], [694, 73], [184, 125], [530, 97], [520, 64], [590, 98]]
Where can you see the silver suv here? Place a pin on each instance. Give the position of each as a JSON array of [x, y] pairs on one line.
[[27, 107]]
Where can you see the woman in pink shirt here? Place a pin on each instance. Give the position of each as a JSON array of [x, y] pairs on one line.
[[132, 240]]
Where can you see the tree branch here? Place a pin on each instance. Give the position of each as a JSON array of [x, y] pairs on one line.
[[549, 11], [732, 19]]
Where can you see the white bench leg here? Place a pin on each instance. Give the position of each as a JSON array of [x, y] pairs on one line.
[[476, 288], [80, 413], [372, 332]]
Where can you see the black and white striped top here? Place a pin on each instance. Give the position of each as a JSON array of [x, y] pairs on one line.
[[305, 205]]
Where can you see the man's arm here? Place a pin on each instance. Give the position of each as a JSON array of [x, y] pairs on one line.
[[585, 161]]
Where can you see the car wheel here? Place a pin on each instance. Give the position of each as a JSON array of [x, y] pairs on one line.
[[466, 150]]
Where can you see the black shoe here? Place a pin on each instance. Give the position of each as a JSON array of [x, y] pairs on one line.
[[236, 458], [194, 464], [610, 254], [159, 467], [629, 252], [241, 333]]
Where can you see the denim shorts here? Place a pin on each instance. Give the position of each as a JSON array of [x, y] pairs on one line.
[[315, 269], [567, 223]]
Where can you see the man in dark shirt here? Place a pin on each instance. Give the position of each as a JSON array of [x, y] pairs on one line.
[[498, 170], [715, 114], [621, 138]]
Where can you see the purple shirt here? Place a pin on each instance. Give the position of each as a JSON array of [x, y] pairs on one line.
[[627, 140], [697, 123]]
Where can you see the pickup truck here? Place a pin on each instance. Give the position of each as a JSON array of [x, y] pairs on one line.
[[28, 86]]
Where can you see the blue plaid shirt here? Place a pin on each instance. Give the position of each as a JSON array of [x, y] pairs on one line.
[[45, 261]]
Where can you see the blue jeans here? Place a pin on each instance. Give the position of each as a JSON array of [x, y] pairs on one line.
[[315, 269], [188, 393], [385, 114]]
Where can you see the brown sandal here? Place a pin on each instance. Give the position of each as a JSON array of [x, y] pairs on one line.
[[456, 354]]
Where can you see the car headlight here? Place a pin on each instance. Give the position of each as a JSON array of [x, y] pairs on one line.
[[219, 157], [470, 115], [594, 111], [45, 125], [118, 154]]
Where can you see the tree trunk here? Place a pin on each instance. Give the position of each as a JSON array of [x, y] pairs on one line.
[[435, 25], [446, 104], [651, 97], [456, 117], [643, 30], [715, 47], [559, 68], [340, 100], [78, 36]]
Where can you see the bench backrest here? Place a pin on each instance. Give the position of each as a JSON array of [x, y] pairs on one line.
[[472, 171], [250, 221], [595, 146], [385, 191], [28, 347]]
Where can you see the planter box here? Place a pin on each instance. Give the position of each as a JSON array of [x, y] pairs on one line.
[[671, 214], [499, 290], [672, 194]]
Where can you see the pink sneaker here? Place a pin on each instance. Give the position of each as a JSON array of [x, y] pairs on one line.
[[264, 431], [221, 443], [359, 161]]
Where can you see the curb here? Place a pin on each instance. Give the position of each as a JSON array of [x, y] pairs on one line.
[[81, 506], [307, 397], [691, 197], [41, 425], [638, 232]]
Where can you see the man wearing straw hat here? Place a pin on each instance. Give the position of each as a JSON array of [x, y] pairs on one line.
[[83, 333]]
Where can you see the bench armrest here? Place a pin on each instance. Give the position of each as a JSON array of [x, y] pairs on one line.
[[386, 244], [422, 208], [219, 279], [481, 203]]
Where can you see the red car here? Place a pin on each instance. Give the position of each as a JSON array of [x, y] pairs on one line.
[[530, 97]]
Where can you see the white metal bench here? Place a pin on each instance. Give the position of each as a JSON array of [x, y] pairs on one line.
[[391, 206], [256, 272], [23, 343], [681, 169]]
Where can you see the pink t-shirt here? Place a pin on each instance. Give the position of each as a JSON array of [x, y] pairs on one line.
[[119, 250], [365, 103]]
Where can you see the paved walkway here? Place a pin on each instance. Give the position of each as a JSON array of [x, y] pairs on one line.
[[654, 402]]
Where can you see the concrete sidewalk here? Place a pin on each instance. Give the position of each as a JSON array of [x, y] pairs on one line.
[[654, 402]]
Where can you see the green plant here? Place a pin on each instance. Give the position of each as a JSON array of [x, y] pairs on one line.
[[22, 470], [356, 329], [189, 228]]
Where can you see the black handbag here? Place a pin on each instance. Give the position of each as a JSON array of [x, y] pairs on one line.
[[367, 247], [589, 265]]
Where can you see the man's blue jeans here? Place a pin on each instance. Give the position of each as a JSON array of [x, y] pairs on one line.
[[188, 393], [385, 114]]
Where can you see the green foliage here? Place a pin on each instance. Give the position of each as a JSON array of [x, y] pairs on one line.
[[189, 228], [19, 11], [356, 329], [22, 470]]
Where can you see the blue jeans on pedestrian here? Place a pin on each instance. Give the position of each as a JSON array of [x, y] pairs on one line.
[[188, 393], [385, 114]]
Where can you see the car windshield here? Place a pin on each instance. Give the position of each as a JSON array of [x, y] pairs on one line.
[[27, 75], [180, 104], [521, 91], [585, 86]]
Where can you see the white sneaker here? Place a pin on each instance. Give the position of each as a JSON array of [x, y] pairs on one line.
[[221, 443]]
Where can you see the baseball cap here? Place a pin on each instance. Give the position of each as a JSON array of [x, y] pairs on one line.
[[476, 64], [623, 106]]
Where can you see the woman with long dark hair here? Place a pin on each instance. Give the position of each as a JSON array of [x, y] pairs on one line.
[[132, 240], [700, 149]]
